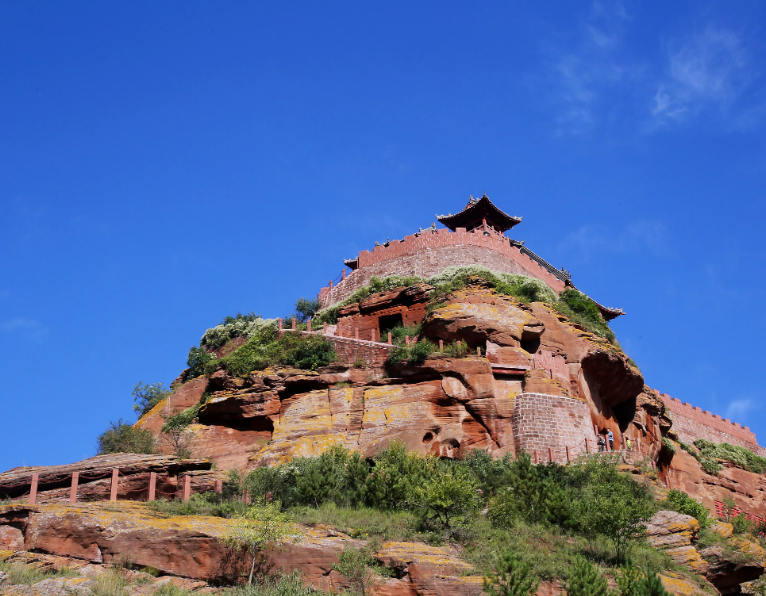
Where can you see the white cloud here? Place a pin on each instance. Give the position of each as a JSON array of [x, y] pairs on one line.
[[739, 409], [640, 235], [26, 328], [709, 70], [584, 74]]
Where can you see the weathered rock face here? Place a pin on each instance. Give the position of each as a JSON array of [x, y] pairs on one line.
[[746, 489], [193, 547], [677, 535], [444, 406]]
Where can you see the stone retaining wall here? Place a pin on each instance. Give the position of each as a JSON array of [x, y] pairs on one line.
[[541, 421], [429, 253]]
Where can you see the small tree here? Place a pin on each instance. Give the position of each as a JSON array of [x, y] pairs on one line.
[[196, 361], [585, 579], [359, 567], [148, 396], [305, 309], [122, 437], [261, 526], [614, 506], [446, 497], [512, 577], [175, 432]]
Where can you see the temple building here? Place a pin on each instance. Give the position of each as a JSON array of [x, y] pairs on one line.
[[473, 236]]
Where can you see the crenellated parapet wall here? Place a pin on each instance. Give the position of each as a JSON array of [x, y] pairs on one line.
[[429, 252], [690, 423], [541, 422]]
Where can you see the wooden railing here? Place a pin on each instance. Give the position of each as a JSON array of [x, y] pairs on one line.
[[115, 484]]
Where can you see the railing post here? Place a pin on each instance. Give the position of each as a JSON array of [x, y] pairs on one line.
[[279, 322], [33, 489], [356, 332], [638, 445], [187, 488], [550, 454], [294, 327], [331, 284], [587, 446], [152, 486], [569, 456], [343, 274], [73, 490], [441, 345], [595, 429], [324, 328], [219, 486], [389, 337], [478, 350], [534, 453], [308, 325], [372, 334], [406, 340], [115, 483]]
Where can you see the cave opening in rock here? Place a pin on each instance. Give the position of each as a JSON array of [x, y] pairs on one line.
[[387, 323], [531, 345], [428, 437]]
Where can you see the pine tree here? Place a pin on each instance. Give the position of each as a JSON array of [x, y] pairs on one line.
[[585, 579], [513, 577]]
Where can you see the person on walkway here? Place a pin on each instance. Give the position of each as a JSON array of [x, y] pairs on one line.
[[610, 438], [601, 442], [628, 445]]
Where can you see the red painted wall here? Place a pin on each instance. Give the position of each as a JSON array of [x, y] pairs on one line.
[[430, 253]]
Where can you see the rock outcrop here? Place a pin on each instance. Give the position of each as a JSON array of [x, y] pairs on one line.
[[193, 547], [446, 405], [726, 566]]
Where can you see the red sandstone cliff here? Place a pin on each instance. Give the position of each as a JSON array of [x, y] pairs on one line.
[[542, 384]]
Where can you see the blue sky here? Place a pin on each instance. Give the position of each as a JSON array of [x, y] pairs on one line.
[[163, 165]]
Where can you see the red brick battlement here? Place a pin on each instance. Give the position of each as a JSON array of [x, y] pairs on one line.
[[690, 423], [431, 251]]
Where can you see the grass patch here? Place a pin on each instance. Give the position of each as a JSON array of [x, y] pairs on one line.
[[739, 456], [285, 585], [210, 504], [23, 574], [363, 522], [268, 348]]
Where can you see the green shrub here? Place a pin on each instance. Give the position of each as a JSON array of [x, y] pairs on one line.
[[612, 505], [233, 327], [305, 309], [360, 567], [148, 396], [669, 446], [710, 465], [414, 353], [739, 456], [742, 525], [512, 577], [581, 309], [122, 437], [456, 349], [268, 348], [683, 503], [196, 361], [585, 579], [447, 499]]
